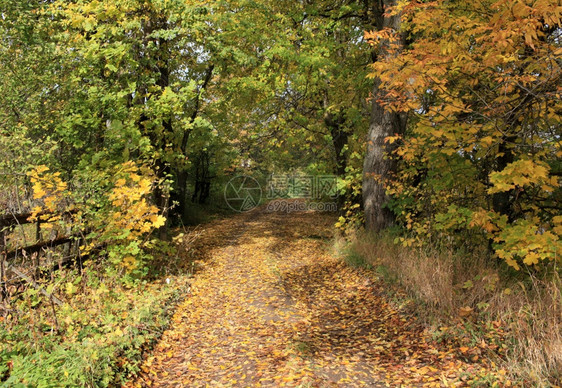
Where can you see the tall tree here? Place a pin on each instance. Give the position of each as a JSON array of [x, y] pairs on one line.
[[481, 161], [138, 74], [378, 167]]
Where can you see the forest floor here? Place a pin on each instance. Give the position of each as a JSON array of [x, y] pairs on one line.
[[272, 306]]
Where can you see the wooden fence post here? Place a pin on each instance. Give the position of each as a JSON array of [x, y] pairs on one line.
[[37, 272], [3, 263]]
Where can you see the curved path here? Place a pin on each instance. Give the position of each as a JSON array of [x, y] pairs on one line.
[[270, 306]]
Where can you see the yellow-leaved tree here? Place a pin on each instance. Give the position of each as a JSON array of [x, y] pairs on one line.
[[481, 159], [114, 220]]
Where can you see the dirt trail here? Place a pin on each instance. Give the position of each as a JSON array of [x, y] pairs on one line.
[[272, 307]]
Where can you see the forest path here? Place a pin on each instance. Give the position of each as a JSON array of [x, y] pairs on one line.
[[272, 307]]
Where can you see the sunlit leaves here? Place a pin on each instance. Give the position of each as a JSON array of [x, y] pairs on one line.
[[526, 240], [130, 216], [51, 191], [483, 84], [119, 221], [520, 174]]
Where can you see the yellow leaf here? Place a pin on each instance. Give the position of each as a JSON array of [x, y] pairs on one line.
[[40, 169], [531, 258], [38, 191], [160, 221], [487, 140]]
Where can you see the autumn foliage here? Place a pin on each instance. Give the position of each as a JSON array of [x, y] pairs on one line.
[[116, 223], [481, 159], [121, 123]]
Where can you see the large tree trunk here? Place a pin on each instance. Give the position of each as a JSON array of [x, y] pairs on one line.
[[377, 166]]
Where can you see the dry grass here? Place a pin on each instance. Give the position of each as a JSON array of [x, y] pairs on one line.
[[473, 287], [536, 317]]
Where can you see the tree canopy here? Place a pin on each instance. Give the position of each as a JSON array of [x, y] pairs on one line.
[[121, 119], [450, 117]]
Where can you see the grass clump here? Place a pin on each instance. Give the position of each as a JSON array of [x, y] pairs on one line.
[[475, 302]]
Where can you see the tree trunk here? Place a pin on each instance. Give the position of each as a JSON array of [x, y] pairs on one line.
[[503, 202], [162, 194], [335, 124], [179, 195], [377, 166]]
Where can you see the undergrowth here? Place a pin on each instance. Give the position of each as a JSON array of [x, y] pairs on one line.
[[96, 332], [513, 320], [99, 341]]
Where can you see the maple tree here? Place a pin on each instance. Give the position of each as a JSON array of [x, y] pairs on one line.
[[139, 93], [482, 152]]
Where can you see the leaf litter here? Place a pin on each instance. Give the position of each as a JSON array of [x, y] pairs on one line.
[[271, 306]]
